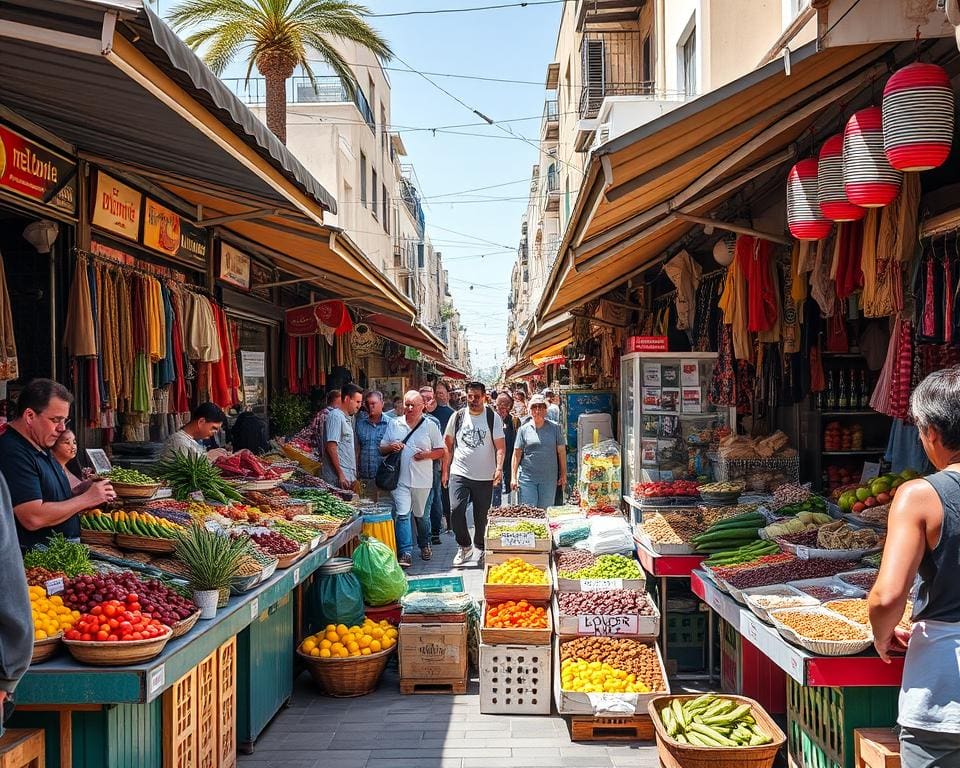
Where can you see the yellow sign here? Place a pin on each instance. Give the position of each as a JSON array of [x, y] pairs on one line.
[[116, 207], [161, 228], [234, 266]]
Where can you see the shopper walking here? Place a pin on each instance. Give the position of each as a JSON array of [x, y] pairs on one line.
[[923, 537], [475, 449], [520, 404], [553, 407], [537, 457], [424, 445], [435, 500], [340, 451], [16, 622], [444, 413], [503, 493], [371, 427]]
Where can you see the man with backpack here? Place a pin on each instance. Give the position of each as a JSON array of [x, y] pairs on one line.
[[473, 465]]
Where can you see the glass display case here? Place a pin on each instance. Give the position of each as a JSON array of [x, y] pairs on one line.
[[669, 429]]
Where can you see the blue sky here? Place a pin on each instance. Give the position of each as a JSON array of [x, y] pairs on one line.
[[508, 43]]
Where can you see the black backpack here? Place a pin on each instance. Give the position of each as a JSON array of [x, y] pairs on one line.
[[458, 422]]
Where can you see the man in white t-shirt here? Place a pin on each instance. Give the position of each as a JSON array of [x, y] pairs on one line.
[[423, 445], [472, 467]]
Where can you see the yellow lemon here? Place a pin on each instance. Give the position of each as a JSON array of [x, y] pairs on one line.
[[316, 652], [348, 638], [325, 645], [375, 646], [353, 647], [337, 647], [364, 651], [342, 629], [330, 628], [364, 641], [324, 653], [388, 642], [376, 633], [309, 645], [39, 634], [343, 653], [333, 637]]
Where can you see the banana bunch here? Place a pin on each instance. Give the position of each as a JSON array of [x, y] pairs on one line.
[[144, 524]]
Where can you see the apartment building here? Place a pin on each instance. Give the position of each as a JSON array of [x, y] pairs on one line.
[[619, 64]]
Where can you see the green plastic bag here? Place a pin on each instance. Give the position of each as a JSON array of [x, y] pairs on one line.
[[334, 599], [379, 572]]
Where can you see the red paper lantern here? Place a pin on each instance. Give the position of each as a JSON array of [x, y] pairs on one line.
[[804, 217], [833, 200], [868, 179], [918, 117]]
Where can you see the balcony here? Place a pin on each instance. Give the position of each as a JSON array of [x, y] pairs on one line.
[[551, 121], [593, 15], [323, 90], [551, 190], [614, 109]]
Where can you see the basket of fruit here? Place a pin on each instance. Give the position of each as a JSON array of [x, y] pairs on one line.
[[348, 661], [136, 638], [722, 492], [180, 628], [286, 550], [44, 649], [51, 618], [516, 579], [131, 483]]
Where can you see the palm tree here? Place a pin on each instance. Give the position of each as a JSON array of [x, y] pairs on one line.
[[276, 35]]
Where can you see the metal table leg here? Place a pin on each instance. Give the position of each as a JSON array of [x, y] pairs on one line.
[[710, 624], [663, 617]]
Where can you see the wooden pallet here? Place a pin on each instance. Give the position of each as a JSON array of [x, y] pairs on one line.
[[633, 728], [22, 748], [439, 685]]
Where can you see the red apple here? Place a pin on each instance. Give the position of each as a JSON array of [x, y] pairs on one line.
[[859, 507], [871, 501], [883, 498]]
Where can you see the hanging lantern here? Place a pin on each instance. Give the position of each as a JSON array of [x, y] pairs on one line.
[[918, 117], [804, 218], [833, 200], [868, 179]]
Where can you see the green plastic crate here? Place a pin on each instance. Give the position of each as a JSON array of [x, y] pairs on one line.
[[436, 584], [821, 721]]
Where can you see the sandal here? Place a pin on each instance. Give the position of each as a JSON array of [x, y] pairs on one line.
[[426, 553], [405, 560]]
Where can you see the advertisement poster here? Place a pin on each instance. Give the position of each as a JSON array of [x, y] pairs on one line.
[[234, 267], [670, 400], [116, 207], [253, 369], [648, 451], [33, 171], [692, 401], [651, 399], [670, 375], [651, 374], [670, 426], [689, 373], [161, 228]]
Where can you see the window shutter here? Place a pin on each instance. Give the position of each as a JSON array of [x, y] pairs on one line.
[[593, 75]]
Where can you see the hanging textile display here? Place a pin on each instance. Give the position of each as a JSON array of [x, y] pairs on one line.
[[9, 367], [78, 335], [685, 274], [918, 117], [831, 196], [805, 219], [868, 178]]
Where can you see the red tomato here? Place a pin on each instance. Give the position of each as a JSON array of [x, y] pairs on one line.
[[113, 623], [86, 636], [96, 610], [126, 626], [109, 609], [101, 635], [113, 638], [136, 636]]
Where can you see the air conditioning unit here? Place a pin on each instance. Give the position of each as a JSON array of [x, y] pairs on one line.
[[601, 136]]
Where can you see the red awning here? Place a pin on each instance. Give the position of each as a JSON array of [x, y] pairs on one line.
[[322, 317], [401, 332], [450, 372]]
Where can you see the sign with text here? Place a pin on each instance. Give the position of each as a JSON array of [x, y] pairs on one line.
[[116, 207], [161, 228], [601, 626], [234, 267], [517, 539], [30, 170], [600, 585], [55, 586]]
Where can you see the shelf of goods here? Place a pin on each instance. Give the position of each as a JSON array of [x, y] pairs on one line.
[[825, 698], [132, 715]]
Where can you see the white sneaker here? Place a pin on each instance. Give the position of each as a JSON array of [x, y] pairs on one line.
[[464, 554]]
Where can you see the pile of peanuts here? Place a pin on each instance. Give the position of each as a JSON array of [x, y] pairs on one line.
[[574, 559], [612, 602], [517, 511], [628, 655], [818, 626]]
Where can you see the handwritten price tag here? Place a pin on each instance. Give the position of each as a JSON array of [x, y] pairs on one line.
[[517, 539], [600, 585], [752, 631], [296, 576], [196, 496], [595, 624], [803, 552], [54, 586], [157, 679], [715, 601], [254, 609]]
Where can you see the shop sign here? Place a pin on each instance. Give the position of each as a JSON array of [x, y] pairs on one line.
[[604, 626], [32, 171], [116, 207], [171, 234], [647, 344], [234, 267]]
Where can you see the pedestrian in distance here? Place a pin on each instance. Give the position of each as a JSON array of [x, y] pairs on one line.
[[474, 466], [371, 426], [538, 454], [444, 412], [431, 409], [553, 408], [503, 494], [16, 619]]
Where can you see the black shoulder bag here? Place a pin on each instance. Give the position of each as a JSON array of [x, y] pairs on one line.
[[388, 473]]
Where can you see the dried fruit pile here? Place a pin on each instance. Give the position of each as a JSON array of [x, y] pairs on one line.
[[629, 656], [516, 614], [613, 602]]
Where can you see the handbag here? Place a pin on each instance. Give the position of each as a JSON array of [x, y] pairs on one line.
[[388, 473]]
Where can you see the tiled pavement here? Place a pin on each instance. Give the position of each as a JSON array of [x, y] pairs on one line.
[[388, 730]]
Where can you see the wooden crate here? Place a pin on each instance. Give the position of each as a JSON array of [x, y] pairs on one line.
[[632, 728], [876, 748], [433, 652], [647, 627], [498, 544], [227, 703], [208, 719], [495, 636], [180, 723], [499, 592], [22, 748], [441, 686]]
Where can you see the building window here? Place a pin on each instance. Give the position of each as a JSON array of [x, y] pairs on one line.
[[372, 98], [386, 210], [594, 77], [688, 61], [647, 62], [383, 127], [373, 192], [420, 255], [363, 180]]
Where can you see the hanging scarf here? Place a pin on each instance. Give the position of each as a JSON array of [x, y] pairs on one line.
[[9, 366]]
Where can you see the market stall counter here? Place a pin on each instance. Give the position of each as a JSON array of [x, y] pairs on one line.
[[137, 715]]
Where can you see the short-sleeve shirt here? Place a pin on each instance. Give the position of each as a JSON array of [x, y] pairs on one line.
[[338, 428], [369, 435], [474, 454], [35, 475], [443, 414], [539, 462], [415, 474], [553, 412]]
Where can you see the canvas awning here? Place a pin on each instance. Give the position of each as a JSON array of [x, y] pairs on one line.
[[639, 186], [402, 332]]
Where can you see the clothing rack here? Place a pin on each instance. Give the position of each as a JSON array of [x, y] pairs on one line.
[[161, 273]]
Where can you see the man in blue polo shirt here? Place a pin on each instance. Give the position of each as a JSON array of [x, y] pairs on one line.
[[43, 503]]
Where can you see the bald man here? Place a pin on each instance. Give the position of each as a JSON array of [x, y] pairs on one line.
[[420, 441]]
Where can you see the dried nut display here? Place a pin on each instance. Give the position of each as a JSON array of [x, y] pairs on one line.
[[630, 656], [518, 511], [863, 580], [791, 570], [614, 602], [857, 609], [822, 592], [819, 626], [574, 559], [722, 488], [659, 530], [778, 602], [840, 535]]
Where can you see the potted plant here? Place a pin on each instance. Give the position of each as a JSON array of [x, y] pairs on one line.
[[212, 560]]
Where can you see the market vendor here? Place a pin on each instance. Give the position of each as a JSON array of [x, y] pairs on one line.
[[205, 421], [43, 501], [923, 537]]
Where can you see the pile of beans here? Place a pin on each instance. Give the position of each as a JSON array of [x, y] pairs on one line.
[[855, 610], [574, 559], [804, 538], [794, 570], [518, 511], [539, 530], [819, 626], [629, 655], [864, 580], [822, 593], [613, 602]]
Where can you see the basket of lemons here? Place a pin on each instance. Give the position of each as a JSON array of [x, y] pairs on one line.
[[348, 661]]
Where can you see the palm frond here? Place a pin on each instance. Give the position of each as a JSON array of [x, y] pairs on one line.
[[336, 61], [341, 18], [224, 47]]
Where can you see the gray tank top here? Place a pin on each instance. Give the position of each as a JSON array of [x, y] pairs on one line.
[[938, 598]]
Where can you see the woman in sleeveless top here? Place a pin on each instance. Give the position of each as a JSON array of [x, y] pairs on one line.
[[923, 539]]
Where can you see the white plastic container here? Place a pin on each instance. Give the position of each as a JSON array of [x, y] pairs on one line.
[[515, 679]]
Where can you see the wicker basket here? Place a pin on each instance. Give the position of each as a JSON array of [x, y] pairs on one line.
[[44, 649], [822, 647], [146, 543], [259, 485], [125, 491], [673, 754], [117, 654], [183, 626], [344, 678], [104, 538], [224, 597], [287, 560]]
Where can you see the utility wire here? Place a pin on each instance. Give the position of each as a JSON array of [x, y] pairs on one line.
[[433, 11]]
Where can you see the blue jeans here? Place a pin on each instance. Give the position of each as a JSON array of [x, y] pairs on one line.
[[540, 494], [410, 502], [435, 502]]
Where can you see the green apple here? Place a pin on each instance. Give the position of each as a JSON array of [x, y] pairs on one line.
[[863, 493]]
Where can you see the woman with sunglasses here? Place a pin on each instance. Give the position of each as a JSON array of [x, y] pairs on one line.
[[538, 454]]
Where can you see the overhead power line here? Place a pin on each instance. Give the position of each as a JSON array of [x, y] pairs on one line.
[[434, 11]]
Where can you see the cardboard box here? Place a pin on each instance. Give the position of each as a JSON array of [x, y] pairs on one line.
[[433, 651]]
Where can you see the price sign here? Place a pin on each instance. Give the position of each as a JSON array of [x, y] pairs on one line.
[[600, 585], [157, 679], [752, 631], [715, 601], [54, 586], [595, 624], [254, 609], [196, 496], [803, 552], [296, 575], [517, 539]]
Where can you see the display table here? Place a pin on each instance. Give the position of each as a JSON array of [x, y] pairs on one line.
[[113, 715]]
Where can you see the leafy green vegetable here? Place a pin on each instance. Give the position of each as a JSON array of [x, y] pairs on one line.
[[60, 555], [187, 473]]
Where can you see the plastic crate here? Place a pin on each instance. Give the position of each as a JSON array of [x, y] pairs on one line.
[[515, 679], [821, 721], [227, 703], [436, 584], [208, 716], [687, 640], [180, 722]]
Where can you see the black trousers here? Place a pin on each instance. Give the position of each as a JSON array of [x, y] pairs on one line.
[[463, 491]]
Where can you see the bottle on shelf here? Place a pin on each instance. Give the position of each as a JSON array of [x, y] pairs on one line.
[[854, 390], [864, 391], [831, 393], [843, 400]]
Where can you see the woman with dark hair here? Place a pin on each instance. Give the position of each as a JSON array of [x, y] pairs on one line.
[[923, 538], [65, 452]]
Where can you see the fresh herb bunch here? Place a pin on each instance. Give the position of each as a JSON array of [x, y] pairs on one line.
[[289, 413], [211, 558], [60, 555], [187, 473]]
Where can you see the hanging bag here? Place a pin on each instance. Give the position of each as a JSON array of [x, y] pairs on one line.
[[388, 473]]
